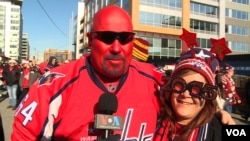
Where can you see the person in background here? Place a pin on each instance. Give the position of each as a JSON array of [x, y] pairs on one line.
[[33, 65], [229, 88], [52, 63], [28, 76], [42, 67], [11, 74], [1, 78], [221, 99], [140, 50], [63, 103]]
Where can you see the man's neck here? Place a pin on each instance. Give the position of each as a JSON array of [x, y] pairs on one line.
[[105, 79]]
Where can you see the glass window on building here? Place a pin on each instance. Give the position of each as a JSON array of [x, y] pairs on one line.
[[171, 43], [150, 40], [203, 43], [196, 7], [241, 1], [227, 12], [171, 53], [165, 19], [125, 5], [164, 51], [158, 2], [209, 44], [178, 44], [160, 20], [172, 20], [177, 53], [165, 2], [226, 28], [202, 25], [213, 27], [142, 17], [118, 3], [178, 21], [157, 19], [164, 43], [157, 42], [149, 18]]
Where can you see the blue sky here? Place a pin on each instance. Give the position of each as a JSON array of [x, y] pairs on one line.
[[42, 32]]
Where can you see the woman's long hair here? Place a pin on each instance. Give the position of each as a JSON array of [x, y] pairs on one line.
[[167, 113]]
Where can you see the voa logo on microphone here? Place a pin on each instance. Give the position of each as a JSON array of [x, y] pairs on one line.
[[103, 121]]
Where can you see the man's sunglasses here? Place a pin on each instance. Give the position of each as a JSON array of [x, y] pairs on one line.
[[196, 89], [108, 37]]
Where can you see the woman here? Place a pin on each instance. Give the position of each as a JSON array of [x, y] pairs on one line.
[[188, 100]]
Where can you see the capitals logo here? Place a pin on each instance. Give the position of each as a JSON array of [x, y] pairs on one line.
[[49, 77]]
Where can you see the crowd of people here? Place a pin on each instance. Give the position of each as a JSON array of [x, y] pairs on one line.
[[17, 78]]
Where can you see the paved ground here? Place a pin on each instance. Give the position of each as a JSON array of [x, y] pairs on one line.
[[8, 115]]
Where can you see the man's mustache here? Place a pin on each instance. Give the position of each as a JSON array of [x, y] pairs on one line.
[[114, 57]]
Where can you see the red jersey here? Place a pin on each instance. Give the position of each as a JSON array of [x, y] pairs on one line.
[[61, 104]]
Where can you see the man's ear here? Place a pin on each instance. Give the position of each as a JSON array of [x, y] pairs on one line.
[[89, 39]]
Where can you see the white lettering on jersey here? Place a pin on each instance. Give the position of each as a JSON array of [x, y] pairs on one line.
[[141, 134]]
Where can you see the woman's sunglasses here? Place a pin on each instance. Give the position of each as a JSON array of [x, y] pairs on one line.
[[196, 89], [108, 37]]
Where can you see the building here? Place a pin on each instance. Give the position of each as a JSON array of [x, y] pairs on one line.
[[61, 55], [161, 22], [25, 47], [237, 28], [10, 28], [79, 31]]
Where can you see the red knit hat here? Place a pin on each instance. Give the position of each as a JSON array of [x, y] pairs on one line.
[[199, 59], [140, 49]]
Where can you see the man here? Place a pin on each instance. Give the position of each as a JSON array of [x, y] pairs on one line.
[[52, 63], [63, 103], [11, 75], [65, 97]]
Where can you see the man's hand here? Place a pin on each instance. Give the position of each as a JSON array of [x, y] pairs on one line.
[[226, 118], [115, 137]]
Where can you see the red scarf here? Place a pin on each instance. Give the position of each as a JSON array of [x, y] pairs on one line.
[[163, 132], [26, 73]]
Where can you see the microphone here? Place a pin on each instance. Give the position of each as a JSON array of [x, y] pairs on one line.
[[107, 105]]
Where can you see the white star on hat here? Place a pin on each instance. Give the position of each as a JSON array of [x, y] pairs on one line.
[[202, 55]]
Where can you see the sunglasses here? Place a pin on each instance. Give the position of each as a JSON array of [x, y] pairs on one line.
[[196, 89], [108, 37]]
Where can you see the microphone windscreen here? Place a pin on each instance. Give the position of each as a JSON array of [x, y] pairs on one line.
[[107, 103]]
